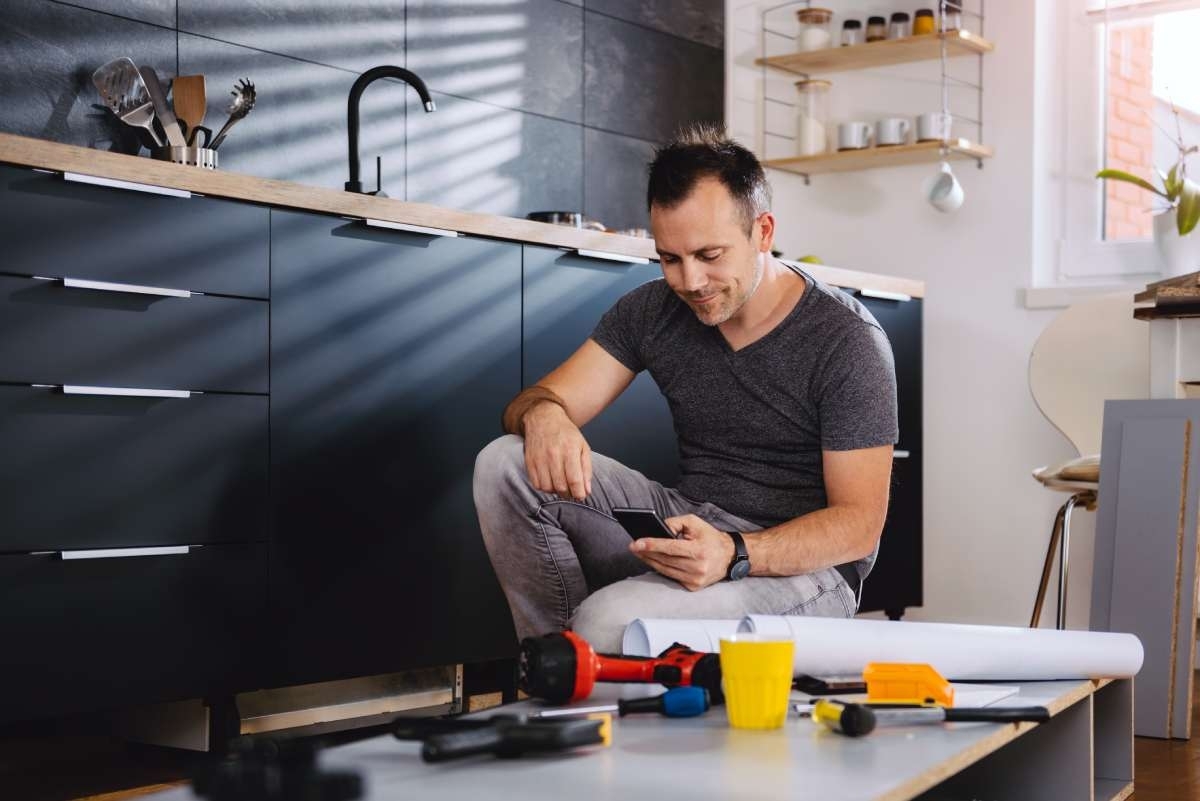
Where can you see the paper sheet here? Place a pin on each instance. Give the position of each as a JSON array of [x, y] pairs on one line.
[[836, 646]]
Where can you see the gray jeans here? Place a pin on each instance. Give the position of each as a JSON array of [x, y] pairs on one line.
[[566, 563]]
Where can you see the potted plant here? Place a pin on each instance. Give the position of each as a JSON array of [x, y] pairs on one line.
[[1178, 247]]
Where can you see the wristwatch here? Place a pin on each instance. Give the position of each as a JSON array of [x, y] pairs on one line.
[[739, 566]]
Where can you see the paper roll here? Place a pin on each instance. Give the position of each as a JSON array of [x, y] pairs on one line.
[[837, 646]]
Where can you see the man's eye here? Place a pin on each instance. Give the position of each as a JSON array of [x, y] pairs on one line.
[[713, 256]]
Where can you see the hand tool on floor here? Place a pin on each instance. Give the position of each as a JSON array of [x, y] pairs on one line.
[[505, 736], [857, 720], [562, 667], [677, 702]]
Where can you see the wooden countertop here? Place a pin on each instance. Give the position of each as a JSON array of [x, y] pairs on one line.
[[27, 152]]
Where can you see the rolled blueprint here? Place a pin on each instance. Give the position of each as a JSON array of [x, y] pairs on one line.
[[837, 646]]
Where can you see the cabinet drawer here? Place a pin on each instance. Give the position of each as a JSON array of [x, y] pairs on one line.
[[55, 334], [58, 228], [95, 633], [104, 472]]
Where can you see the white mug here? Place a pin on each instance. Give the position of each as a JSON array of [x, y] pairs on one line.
[[933, 126], [853, 135], [891, 131], [943, 191]]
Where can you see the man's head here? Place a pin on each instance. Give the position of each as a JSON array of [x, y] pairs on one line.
[[709, 213]]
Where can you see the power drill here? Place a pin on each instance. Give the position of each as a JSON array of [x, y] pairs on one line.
[[562, 667]]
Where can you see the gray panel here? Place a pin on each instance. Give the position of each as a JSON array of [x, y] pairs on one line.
[[355, 36], [526, 56], [156, 12], [701, 21], [647, 84], [297, 130], [479, 157], [614, 179], [48, 53]]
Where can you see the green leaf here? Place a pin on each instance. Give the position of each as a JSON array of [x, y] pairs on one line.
[[1121, 175], [1171, 182], [1188, 212]]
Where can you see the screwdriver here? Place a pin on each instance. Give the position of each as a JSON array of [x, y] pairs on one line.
[[677, 702]]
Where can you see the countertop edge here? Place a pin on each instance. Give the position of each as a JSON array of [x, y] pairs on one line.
[[43, 154]]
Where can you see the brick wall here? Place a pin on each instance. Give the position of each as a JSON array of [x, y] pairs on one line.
[[1129, 131]]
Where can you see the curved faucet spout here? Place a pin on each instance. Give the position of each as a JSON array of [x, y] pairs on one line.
[[361, 83]]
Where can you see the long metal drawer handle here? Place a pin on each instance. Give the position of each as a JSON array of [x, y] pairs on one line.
[[412, 229], [80, 178], [132, 392], [108, 286], [603, 254], [883, 294], [124, 553], [901, 454]]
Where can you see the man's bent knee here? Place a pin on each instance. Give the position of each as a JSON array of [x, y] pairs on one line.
[[500, 456]]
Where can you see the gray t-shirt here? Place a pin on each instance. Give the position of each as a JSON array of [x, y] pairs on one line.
[[752, 423]]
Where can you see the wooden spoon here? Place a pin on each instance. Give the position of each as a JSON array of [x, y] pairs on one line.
[[191, 102]]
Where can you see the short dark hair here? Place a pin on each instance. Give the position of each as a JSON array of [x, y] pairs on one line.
[[704, 151]]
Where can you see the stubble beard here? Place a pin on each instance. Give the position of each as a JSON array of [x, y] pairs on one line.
[[732, 304]]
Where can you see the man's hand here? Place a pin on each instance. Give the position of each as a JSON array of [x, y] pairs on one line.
[[557, 457], [698, 558]]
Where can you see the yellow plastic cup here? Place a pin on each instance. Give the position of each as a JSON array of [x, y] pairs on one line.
[[757, 674]]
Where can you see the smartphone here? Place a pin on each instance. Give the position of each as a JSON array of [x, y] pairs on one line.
[[640, 523]]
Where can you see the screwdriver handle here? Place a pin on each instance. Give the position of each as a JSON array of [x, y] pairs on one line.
[[677, 702]]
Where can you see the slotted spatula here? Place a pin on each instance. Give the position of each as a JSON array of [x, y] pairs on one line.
[[124, 92], [188, 95]]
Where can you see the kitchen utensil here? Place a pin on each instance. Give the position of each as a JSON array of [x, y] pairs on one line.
[[943, 191], [162, 109], [193, 136], [854, 135], [243, 100], [891, 131], [933, 126], [572, 218], [124, 92], [189, 98], [192, 155]]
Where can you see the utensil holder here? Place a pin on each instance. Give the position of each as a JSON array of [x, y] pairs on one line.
[[194, 156]]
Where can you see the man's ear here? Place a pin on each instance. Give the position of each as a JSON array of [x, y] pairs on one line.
[[765, 227]]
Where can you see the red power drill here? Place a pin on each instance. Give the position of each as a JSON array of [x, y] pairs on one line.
[[562, 667]]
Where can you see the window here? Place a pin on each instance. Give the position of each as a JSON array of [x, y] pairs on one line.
[[1121, 65]]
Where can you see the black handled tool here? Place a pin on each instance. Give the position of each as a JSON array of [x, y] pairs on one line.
[[505, 736], [856, 720]]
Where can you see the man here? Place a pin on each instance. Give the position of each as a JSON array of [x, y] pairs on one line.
[[783, 396]]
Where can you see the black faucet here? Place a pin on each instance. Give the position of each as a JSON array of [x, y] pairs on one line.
[[373, 74]]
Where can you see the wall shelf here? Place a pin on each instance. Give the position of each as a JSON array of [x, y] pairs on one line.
[[870, 158], [880, 54]]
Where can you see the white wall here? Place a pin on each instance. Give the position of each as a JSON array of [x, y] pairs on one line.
[[986, 519]]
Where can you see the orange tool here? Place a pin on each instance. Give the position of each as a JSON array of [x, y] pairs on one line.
[[906, 684]]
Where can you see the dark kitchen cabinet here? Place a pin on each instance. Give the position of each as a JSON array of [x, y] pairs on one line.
[[392, 357], [896, 582], [564, 297]]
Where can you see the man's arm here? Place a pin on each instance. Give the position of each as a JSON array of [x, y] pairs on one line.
[[856, 488], [550, 413]]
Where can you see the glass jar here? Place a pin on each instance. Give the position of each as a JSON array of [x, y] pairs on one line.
[[812, 118], [924, 22], [816, 30], [899, 27], [852, 33], [951, 15], [876, 29]]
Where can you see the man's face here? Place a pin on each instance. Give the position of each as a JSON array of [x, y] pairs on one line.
[[707, 257]]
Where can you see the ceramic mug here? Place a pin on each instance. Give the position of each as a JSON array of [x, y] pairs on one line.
[[891, 131], [853, 135], [933, 126], [943, 191]]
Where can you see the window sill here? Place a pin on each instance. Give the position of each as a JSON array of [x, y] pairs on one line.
[[1060, 297]]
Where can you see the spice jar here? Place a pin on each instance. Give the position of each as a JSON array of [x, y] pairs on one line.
[[951, 15], [899, 26], [812, 119], [876, 29], [815, 29], [852, 33], [923, 22]]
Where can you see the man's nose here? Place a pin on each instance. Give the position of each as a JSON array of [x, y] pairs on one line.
[[694, 276]]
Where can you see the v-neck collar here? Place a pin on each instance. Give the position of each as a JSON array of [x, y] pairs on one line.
[[728, 349]]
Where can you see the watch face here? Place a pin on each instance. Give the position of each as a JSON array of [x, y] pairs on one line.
[[740, 570]]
